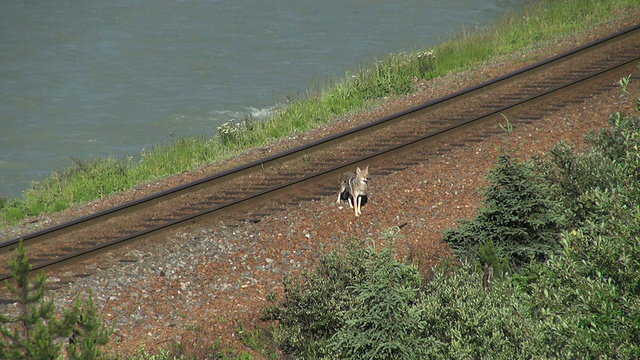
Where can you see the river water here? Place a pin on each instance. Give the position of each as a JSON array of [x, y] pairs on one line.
[[84, 79]]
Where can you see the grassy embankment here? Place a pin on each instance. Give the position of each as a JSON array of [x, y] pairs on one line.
[[539, 23]]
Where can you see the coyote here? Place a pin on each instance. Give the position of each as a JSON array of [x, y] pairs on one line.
[[353, 187]]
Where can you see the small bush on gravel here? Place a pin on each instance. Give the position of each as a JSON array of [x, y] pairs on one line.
[[385, 321], [309, 312], [519, 214], [36, 332], [612, 165], [356, 304]]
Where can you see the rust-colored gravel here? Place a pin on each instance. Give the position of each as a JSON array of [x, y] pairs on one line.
[[213, 278]]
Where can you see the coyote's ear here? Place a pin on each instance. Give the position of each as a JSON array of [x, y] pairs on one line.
[[358, 171]]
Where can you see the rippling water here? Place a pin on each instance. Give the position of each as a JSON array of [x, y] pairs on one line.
[[109, 78]]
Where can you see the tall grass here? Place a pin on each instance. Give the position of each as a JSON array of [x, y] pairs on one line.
[[540, 22]]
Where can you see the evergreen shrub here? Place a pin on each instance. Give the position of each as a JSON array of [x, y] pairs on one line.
[[356, 304], [37, 332], [519, 215], [385, 322], [309, 313]]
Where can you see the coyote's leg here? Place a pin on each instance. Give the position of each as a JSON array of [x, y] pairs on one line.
[[342, 189]]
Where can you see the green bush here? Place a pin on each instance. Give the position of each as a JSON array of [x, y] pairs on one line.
[[37, 332], [466, 322], [620, 140], [587, 301], [519, 214], [611, 165], [582, 303], [309, 313], [575, 174], [324, 309], [384, 322]]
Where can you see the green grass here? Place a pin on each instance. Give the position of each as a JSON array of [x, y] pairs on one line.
[[539, 23]]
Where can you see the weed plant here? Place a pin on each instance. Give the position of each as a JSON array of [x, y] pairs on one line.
[[537, 24]]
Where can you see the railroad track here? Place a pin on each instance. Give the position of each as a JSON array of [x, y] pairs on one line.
[[393, 143]]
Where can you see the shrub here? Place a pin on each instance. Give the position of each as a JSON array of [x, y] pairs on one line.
[[519, 214], [620, 141], [463, 321], [36, 332], [587, 301], [611, 165], [385, 321], [333, 300], [308, 315]]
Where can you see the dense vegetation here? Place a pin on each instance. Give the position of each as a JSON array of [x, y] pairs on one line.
[[564, 230], [541, 22]]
